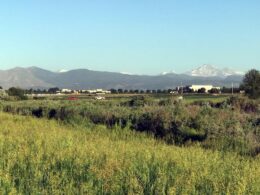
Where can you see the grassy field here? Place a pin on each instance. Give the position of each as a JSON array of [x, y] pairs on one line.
[[205, 97], [46, 157], [217, 122], [188, 98], [130, 145]]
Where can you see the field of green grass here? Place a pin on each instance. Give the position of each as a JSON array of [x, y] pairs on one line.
[[205, 97], [130, 145], [216, 122], [40, 156], [188, 98]]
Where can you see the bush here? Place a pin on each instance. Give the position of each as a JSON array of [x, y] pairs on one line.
[[138, 101], [17, 92], [243, 104], [37, 112], [174, 122]]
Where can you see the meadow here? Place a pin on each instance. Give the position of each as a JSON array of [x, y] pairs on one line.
[[215, 122], [47, 157], [130, 145]]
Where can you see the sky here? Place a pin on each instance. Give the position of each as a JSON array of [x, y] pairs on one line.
[[133, 36]]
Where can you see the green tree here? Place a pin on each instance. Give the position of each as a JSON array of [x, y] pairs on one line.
[[113, 91], [131, 91], [17, 92], [202, 90], [53, 90], [136, 91], [214, 91], [251, 84], [159, 91], [120, 90]]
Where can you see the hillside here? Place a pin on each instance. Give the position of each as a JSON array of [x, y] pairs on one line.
[[35, 77]]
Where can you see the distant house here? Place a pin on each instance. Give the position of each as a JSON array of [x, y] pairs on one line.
[[98, 91], [196, 88], [66, 91]]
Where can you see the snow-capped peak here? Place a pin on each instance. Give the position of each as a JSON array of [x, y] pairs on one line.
[[211, 71], [228, 72], [62, 70], [170, 72], [127, 73]]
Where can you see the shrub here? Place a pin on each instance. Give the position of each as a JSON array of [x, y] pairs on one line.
[[17, 92], [37, 112], [138, 101], [174, 122], [244, 104]]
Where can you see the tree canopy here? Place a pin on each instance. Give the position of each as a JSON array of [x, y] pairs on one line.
[[20, 93], [251, 84]]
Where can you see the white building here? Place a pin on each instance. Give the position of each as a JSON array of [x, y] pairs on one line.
[[98, 91], [195, 88], [66, 91]]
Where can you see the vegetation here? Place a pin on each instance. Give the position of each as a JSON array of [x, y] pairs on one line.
[[214, 91], [46, 157], [17, 92], [202, 90], [251, 84], [144, 144], [227, 125], [53, 90]]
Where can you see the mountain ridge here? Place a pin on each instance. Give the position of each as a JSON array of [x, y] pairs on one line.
[[35, 77]]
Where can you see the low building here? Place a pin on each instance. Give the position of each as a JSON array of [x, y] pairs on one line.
[[98, 91], [66, 91], [196, 88]]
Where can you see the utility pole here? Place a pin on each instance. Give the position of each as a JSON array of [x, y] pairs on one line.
[[181, 88]]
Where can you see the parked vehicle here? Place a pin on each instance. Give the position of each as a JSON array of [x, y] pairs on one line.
[[100, 98]]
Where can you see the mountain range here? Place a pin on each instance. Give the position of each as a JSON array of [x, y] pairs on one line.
[[34, 77]]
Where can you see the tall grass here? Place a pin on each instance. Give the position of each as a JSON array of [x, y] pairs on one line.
[[231, 125], [47, 157]]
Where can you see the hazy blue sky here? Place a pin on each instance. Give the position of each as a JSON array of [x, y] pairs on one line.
[[136, 36]]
